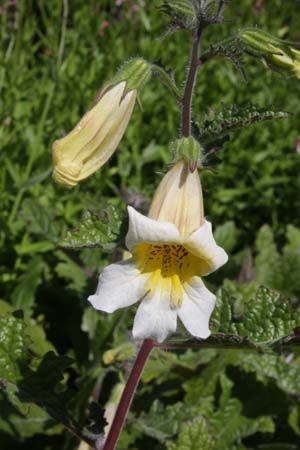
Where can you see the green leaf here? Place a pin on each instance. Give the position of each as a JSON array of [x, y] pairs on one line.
[[228, 423], [194, 435], [39, 219], [23, 296], [281, 274], [266, 318], [37, 340], [162, 423], [294, 420], [96, 231], [25, 420], [70, 271], [217, 124], [226, 235], [26, 379], [272, 367], [13, 350]]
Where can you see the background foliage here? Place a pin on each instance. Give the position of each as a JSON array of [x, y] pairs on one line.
[[55, 56]]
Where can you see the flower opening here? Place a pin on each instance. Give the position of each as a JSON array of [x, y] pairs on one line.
[[171, 252]]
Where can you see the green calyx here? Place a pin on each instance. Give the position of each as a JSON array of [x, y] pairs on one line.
[[189, 149], [261, 43], [135, 73], [181, 11]]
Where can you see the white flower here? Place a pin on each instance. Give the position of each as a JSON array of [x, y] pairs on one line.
[[171, 251]]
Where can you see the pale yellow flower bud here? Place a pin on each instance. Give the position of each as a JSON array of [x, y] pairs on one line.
[[95, 138], [178, 199]]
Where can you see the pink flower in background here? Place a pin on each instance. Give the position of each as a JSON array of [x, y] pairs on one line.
[[297, 145], [105, 24]]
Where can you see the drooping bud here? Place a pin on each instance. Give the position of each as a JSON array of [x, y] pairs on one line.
[[276, 53], [95, 138], [182, 12], [189, 149], [178, 199]]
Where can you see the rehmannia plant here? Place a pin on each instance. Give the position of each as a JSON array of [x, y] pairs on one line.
[[170, 251], [162, 258]]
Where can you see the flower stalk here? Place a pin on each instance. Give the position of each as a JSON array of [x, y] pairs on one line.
[[186, 123], [127, 396]]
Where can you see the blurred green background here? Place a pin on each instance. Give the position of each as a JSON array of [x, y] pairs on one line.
[[54, 58]]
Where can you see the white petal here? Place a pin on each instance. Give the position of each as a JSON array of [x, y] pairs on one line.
[[142, 229], [202, 244], [197, 305], [120, 285], [154, 317]]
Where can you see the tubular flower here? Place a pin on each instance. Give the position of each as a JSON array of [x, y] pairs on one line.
[[172, 250], [94, 139]]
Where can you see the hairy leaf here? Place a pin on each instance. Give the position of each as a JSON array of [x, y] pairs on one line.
[[193, 436], [162, 423], [218, 124], [95, 231], [266, 318], [13, 350]]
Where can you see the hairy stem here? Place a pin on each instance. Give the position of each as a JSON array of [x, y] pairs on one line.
[[127, 395], [189, 86]]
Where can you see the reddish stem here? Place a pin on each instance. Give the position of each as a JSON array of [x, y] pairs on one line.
[[128, 394], [189, 86]]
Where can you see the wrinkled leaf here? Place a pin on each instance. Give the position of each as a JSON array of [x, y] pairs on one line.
[[95, 231]]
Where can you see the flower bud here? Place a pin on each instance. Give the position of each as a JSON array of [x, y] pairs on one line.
[[95, 138], [181, 11], [178, 199], [275, 53]]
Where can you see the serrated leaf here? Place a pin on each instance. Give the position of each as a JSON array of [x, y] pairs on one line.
[[217, 124], [194, 435], [162, 423], [12, 348], [39, 220], [228, 423], [26, 379], [266, 318], [272, 367], [96, 231], [23, 296], [70, 271]]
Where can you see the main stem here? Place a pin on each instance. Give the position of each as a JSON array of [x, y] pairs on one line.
[[186, 121], [127, 395]]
